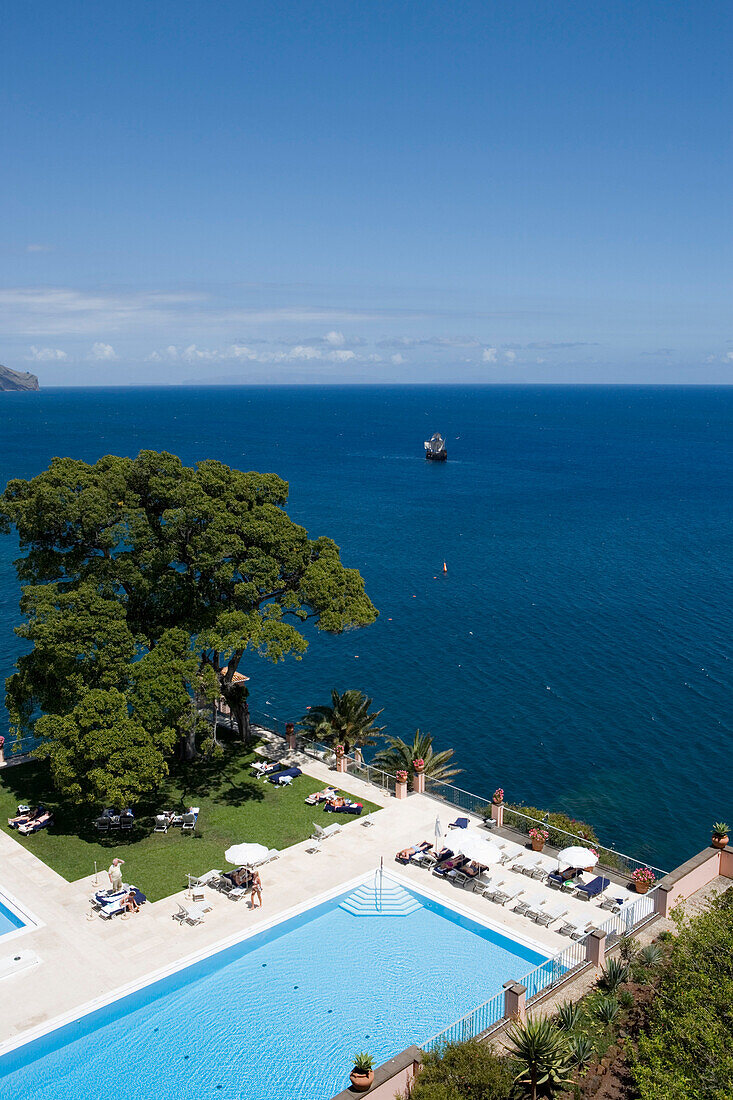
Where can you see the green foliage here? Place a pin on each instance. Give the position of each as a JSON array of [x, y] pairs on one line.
[[399, 755], [558, 824], [581, 1049], [99, 754], [346, 721], [363, 1062], [153, 579], [687, 1050], [542, 1056], [651, 955], [628, 948], [720, 828], [614, 974], [626, 998], [567, 1015], [463, 1071], [606, 1009]]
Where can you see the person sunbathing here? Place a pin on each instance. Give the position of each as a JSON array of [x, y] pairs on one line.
[[336, 803], [130, 904], [35, 823], [321, 796], [240, 877], [25, 818], [407, 853]]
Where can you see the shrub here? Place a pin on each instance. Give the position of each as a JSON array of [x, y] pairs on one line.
[[628, 948], [567, 1015], [463, 1071], [542, 1056], [626, 998], [614, 974], [651, 955], [581, 1049], [686, 1053], [606, 1009]]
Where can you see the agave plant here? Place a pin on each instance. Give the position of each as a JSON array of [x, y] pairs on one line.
[[567, 1015], [398, 755], [581, 1049], [651, 955], [606, 1009], [614, 973], [347, 721], [543, 1056]]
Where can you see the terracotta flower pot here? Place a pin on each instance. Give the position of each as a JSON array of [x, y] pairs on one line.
[[719, 842], [641, 887], [362, 1081], [537, 844]]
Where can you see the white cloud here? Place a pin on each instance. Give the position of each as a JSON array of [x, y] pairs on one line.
[[38, 248], [335, 339], [340, 356], [540, 360], [102, 352], [303, 351], [728, 357], [397, 359], [510, 356], [46, 355], [489, 355]]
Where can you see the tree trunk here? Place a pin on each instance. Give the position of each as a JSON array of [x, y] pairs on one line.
[[187, 745], [235, 696]]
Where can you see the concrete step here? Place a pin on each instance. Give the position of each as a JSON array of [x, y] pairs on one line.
[[386, 900]]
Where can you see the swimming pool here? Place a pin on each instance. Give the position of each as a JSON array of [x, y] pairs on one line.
[[282, 1012], [13, 920]]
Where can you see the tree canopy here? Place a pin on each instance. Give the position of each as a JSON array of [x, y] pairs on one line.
[[153, 579], [399, 755], [346, 721]]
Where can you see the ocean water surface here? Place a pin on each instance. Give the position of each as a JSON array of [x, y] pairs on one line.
[[576, 652]]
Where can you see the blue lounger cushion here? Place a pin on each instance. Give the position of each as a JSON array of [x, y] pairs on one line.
[[594, 888], [288, 772], [459, 823]]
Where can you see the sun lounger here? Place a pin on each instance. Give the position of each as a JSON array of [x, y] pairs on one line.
[[163, 821], [611, 904], [127, 820], [544, 866], [25, 815], [319, 833], [321, 796], [227, 887], [463, 876], [593, 888], [406, 855], [548, 913], [566, 880], [273, 853], [459, 823], [194, 914], [492, 888], [188, 824], [263, 767], [368, 821], [428, 858], [510, 850], [575, 928], [116, 904], [36, 823], [448, 865], [525, 863], [529, 903], [285, 778], [506, 894]]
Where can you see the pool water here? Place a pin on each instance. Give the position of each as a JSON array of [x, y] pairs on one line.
[[9, 921], [280, 1014]]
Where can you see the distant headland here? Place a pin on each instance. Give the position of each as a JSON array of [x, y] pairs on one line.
[[17, 380]]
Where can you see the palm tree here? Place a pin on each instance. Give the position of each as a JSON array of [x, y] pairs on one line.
[[347, 721], [543, 1057], [400, 756]]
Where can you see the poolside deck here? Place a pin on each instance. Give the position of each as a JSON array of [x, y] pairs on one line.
[[84, 958]]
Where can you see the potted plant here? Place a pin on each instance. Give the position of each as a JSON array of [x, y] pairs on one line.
[[362, 1074], [498, 796], [539, 838], [642, 878], [419, 764], [720, 835]]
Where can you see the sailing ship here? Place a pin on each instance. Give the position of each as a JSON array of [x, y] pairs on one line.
[[435, 448]]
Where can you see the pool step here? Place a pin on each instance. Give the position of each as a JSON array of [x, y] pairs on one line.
[[387, 900]]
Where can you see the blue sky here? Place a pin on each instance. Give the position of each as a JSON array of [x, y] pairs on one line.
[[408, 191]]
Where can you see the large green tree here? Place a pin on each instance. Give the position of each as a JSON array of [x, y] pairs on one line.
[[347, 720], [155, 579], [399, 755]]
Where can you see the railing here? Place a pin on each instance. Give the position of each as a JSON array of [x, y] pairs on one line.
[[466, 801], [539, 980], [559, 838], [628, 918], [447, 792], [555, 970], [317, 749], [486, 1016]]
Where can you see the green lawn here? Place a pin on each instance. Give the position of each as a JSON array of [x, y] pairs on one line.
[[235, 807]]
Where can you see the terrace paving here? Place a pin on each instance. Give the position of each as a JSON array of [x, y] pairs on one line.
[[84, 957]]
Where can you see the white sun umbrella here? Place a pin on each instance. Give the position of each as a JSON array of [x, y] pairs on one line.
[[577, 857], [479, 849], [245, 853], [438, 833]]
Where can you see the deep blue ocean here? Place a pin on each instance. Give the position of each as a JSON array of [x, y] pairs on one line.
[[577, 651]]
